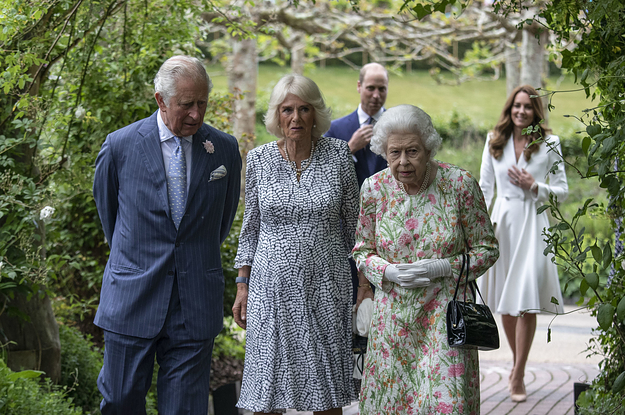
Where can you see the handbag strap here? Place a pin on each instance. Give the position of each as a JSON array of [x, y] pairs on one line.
[[460, 276], [464, 270]]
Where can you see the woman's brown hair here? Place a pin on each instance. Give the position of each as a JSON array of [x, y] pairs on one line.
[[502, 131]]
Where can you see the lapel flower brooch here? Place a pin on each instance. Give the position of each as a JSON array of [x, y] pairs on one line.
[[210, 148]]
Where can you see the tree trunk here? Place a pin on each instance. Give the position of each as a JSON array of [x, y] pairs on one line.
[[243, 78], [533, 61], [532, 58], [513, 67], [298, 55], [34, 344]]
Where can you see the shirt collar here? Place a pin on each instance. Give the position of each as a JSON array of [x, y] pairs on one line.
[[363, 117], [164, 133]]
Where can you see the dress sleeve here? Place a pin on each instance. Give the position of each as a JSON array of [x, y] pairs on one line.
[[349, 205], [250, 229], [365, 252], [482, 246], [557, 183], [487, 174]]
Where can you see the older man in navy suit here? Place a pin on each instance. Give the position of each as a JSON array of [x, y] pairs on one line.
[[167, 190]]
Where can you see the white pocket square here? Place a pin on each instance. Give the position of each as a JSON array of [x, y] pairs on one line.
[[218, 173]]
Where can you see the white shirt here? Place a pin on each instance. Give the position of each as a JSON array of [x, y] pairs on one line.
[[168, 145], [363, 117]]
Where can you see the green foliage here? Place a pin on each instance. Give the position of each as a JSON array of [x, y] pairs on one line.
[[79, 71], [597, 30], [21, 393], [424, 8], [228, 253], [597, 401], [74, 71], [80, 366], [459, 130], [230, 342]]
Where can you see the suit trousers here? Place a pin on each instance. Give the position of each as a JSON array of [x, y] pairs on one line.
[[183, 376]]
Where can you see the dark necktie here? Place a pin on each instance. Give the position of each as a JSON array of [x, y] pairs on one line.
[[371, 158], [177, 183]]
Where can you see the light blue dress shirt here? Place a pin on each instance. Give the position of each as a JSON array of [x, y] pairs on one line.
[[168, 145]]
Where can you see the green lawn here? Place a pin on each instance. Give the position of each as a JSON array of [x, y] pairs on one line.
[[480, 101]]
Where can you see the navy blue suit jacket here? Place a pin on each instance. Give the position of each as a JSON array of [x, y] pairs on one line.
[[146, 249], [344, 128]]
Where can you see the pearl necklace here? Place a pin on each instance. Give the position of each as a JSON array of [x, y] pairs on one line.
[[298, 172], [424, 185]]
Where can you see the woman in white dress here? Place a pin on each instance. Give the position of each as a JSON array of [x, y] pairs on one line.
[[523, 281], [301, 210]]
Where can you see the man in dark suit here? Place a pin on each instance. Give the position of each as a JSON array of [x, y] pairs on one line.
[[357, 127], [167, 190]]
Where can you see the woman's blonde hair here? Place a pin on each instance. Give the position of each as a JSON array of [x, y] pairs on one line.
[[306, 90]]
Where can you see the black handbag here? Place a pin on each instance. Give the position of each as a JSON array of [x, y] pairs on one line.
[[470, 325]]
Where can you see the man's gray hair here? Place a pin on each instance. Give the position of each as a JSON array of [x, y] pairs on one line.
[[307, 91], [176, 68], [405, 119]]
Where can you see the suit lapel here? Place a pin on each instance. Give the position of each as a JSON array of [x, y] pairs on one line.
[[150, 145], [509, 152]]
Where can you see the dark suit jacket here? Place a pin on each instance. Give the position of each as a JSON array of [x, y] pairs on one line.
[[343, 128], [146, 250]]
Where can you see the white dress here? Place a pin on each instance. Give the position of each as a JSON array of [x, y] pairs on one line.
[[297, 237], [523, 278]]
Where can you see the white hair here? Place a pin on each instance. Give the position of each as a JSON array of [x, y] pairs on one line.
[[306, 90], [405, 119], [176, 68]]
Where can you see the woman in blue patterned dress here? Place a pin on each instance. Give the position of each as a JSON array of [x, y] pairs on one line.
[[301, 208]]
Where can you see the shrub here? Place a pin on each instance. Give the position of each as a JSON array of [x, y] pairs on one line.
[[80, 366], [228, 253], [22, 394]]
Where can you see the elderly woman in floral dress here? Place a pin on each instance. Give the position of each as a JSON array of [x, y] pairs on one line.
[[417, 218]]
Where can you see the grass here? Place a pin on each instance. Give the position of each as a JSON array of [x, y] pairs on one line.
[[481, 101]]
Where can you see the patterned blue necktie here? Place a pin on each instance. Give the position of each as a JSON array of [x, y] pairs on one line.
[[177, 183]]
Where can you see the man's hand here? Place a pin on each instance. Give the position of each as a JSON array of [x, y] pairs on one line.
[[360, 138], [364, 289], [239, 309]]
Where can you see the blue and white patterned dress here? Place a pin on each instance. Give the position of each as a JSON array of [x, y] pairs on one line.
[[297, 237]]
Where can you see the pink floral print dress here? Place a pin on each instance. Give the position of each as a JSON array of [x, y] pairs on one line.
[[409, 368]]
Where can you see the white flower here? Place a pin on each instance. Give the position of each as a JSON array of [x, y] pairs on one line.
[[208, 145], [80, 112], [1, 265], [46, 214]]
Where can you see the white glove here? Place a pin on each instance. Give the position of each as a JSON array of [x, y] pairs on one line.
[[417, 274], [406, 275], [435, 268]]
